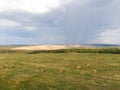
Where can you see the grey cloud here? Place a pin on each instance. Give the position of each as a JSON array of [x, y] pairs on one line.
[[86, 22], [72, 24]]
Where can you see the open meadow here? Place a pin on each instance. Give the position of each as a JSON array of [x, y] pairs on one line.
[[30, 70]]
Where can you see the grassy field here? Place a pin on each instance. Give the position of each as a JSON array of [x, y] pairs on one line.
[[59, 71]]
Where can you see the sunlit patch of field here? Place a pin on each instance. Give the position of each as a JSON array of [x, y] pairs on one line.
[[41, 47], [59, 71], [47, 47]]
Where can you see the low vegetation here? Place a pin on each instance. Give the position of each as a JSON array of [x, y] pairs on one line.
[[73, 69], [81, 50]]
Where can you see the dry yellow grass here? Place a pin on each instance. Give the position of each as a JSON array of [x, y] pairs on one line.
[[62, 70], [67, 65], [78, 67], [13, 66], [94, 71], [88, 65], [43, 70], [4, 67]]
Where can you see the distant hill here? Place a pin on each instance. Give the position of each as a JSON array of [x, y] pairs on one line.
[[105, 45]]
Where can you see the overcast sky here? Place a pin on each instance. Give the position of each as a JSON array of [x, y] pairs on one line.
[[59, 21]]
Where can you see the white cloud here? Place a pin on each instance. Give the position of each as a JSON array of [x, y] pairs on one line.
[[110, 36], [30, 28], [31, 6], [8, 23]]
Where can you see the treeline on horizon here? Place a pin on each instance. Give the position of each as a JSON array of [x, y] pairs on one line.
[[97, 50], [80, 50]]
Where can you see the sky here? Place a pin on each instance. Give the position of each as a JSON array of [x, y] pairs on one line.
[[59, 22]]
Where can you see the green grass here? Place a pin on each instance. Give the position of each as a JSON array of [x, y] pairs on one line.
[[23, 71]]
